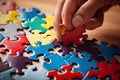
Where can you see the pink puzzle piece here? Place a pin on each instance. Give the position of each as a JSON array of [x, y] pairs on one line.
[[6, 6]]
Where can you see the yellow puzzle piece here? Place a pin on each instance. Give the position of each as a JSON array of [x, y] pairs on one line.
[[43, 38], [11, 16], [49, 21]]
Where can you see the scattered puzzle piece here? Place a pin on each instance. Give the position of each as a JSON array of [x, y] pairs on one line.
[[32, 13], [34, 24], [108, 51], [83, 64], [43, 38], [106, 69], [3, 66], [39, 50], [6, 6], [30, 74], [49, 21], [14, 46], [74, 36], [55, 61], [6, 75], [11, 31], [1, 37], [11, 16], [18, 62], [68, 74]]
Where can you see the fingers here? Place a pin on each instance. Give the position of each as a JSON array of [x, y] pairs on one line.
[[95, 21], [87, 10], [57, 18]]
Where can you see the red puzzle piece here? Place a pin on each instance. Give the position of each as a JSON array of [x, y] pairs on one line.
[[14, 46], [107, 69], [66, 75], [5, 6], [74, 36]]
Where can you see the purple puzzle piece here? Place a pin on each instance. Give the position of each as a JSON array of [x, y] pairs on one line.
[[89, 46], [18, 62], [3, 66], [64, 48]]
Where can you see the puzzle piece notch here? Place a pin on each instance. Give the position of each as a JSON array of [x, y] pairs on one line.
[[11, 31], [3, 66], [89, 46], [6, 6], [45, 38], [106, 69], [66, 75], [30, 14], [14, 46], [18, 62], [1, 37], [108, 51], [30, 74], [83, 64], [34, 24], [7, 75], [11, 16], [39, 50], [64, 48], [74, 36]]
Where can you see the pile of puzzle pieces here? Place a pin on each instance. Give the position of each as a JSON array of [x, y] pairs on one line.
[[31, 32]]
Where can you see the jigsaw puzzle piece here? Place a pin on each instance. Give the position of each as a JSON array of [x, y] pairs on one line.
[[1, 37], [30, 14], [68, 74], [39, 50], [18, 62], [34, 24], [89, 46], [64, 48], [49, 21], [106, 69], [6, 75], [74, 36], [55, 61], [3, 66], [30, 74], [43, 38], [83, 64], [14, 46], [11, 31], [108, 51], [6, 6], [11, 16]]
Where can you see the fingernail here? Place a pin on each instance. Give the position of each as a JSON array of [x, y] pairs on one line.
[[77, 21]]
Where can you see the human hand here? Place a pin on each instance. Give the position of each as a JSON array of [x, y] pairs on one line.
[[76, 13]]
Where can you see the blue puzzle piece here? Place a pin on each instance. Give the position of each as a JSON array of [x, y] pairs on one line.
[[1, 37], [6, 75], [55, 61], [32, 13], [108, 51], [83, 63], [30, 74], [39, 50]]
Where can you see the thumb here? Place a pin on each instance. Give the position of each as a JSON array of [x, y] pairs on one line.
[[87, 11]]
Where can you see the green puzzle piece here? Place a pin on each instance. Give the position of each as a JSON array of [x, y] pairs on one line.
[[34, 24]]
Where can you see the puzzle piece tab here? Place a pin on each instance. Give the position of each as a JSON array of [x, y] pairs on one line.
[[18, 62], [11, 31], [34, 24], [30, 74], [6, 6], [39, 50], [14, 46], [11, 16], [83, 64], [68, 74], [30, 14], [1, 37]]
